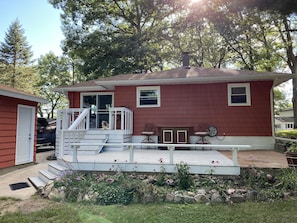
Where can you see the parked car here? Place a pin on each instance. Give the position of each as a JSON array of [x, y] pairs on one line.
[[46, 132]]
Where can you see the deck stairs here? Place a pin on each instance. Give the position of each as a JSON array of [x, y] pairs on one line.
[[57, 168], [54, 170], [91, 138]]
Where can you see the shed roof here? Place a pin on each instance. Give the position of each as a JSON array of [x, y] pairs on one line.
[[181, 75], [15, 93]]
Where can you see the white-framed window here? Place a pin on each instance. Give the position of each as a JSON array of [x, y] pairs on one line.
[[148, 96], [239, 94]]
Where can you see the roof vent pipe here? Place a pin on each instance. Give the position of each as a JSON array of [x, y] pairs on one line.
[[186, 60]]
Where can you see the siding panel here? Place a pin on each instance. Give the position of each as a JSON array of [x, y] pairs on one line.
[[8, 127], [198, 106], [203, 105]]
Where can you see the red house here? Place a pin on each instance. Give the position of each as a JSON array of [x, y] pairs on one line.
[[17, 126], [180, 102]]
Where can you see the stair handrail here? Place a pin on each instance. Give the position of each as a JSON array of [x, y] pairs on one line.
[[82, 121]]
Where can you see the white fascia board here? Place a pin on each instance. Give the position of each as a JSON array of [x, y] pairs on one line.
[[86, 88], [109, 85], [278, 79], [23, 96]]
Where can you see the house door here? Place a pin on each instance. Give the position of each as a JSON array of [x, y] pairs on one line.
[[99, 107], [25, 134]]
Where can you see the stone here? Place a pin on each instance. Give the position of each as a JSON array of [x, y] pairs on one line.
[[237, 198], [190, 193], [216, 198], [201, 198], [55, 194], [47, 189], [269, 177], [178, 198], [148, 198], [230, 191], [286, 195], [201, 191], [170, 197], [189, 199], [251, 195]]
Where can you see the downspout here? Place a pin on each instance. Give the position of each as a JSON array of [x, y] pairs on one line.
[[272, 111]]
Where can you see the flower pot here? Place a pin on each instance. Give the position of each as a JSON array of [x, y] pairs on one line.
[[292, 159]]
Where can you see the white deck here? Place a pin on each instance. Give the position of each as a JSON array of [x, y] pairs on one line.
[[201, 162]]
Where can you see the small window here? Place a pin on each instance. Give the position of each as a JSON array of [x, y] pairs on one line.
[[239, 94], [148, 96]]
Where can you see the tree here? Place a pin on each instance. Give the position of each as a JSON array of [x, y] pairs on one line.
[[283, 14], [15, 53], [113, 36], [262, 33], [53, 72], [280, 101]]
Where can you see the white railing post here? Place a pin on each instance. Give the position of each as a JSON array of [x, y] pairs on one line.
[[234, 156], [171, 149], [61, 144], [74, 153], [122, 112], [131, 160]]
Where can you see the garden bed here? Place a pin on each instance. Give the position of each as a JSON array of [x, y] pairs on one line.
[[122, 188]]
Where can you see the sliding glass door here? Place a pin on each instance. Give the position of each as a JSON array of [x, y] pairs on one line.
[[99, 105]]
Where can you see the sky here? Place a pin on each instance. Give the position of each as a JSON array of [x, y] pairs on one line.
[[40, 21]]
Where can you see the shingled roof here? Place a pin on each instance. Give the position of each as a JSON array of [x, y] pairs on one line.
[[15, 93], [181, 75]]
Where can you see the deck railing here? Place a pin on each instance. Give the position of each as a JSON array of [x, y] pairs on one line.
[[71, 127], [73, 123], [171, 147], [74, 118], [121, 118]]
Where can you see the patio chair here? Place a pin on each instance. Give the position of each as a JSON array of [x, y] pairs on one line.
[[148, 132]]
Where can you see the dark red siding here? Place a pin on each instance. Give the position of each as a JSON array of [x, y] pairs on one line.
[[203, 105], [8, 128], [200, 105], [74, 99]]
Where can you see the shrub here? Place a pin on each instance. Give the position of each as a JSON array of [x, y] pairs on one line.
[[113, 193], [291, 133], [74, 184], [184, 178]]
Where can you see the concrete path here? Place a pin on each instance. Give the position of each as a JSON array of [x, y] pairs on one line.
[[21, 175], [260, 158]]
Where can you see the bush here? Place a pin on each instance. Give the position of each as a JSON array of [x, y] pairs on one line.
[[74, 184], [113, 193], [291, 133], [184, 178]]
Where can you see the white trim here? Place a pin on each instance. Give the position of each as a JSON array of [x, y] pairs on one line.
[[247, 91], [23, 96], [139, 89], [95, 94]]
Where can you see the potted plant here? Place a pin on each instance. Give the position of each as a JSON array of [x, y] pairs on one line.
[[291, 155]]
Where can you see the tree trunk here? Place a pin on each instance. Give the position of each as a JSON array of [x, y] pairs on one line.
[[294, 98]]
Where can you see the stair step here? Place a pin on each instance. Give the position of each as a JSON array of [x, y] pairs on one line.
[[37, 182], [57, 168], [95, 137], [46, 175]]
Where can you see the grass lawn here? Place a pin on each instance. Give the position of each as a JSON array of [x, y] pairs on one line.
[[266, 212]]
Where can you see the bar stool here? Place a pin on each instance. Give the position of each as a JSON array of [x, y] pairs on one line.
[[148, 132]]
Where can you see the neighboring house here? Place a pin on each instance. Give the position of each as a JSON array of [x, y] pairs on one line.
[[285, 120], [17, 126], [179, 102]]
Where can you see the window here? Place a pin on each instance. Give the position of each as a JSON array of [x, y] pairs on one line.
[[289, 125], [239, 94], [148, 96]]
